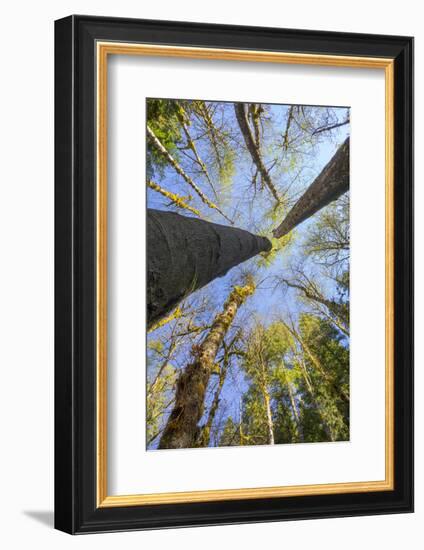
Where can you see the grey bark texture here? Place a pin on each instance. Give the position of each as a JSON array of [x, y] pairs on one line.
[[331, 183], [182, 429], [184, 254], [253, 149]]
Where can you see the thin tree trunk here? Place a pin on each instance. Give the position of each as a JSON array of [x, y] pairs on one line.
[[337, 317], [331, 183], [263, 382], [315, 403], [185, 253], [253, 150], [334, 320], [199, 161], [181, 430], [240, 430], [170, 159], [269, 422], [205, 434], [294, 409], [204, 437], [254, 114], [338, 392], [286, 133], [211, 130]]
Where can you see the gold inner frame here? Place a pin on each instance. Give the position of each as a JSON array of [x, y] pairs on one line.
[[104, 49]]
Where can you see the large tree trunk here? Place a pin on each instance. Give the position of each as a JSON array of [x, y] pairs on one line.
[[184, 254], [332, 182], [181, 430]]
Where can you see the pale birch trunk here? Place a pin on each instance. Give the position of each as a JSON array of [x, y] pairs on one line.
[[269, 422]]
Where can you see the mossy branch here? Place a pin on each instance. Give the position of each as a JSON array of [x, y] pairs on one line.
[[173, 197], [176, 314], [170, 159], [182, 117]]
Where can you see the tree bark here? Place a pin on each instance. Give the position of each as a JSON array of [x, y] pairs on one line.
[[181, 430], [286, 133], [184, 254], [211, 130], [331, 183], [253, 150], [205, 434]]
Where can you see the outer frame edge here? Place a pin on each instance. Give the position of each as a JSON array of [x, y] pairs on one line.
[[97, 521]]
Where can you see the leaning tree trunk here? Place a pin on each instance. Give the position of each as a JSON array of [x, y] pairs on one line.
[[314, 399], [182, 430], [338, 393], [253, 149], [184, 254], [331, 183]]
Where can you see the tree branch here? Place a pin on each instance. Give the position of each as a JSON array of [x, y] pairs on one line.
[[253, 150], [170, 159]]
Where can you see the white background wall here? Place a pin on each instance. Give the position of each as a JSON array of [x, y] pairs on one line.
[[26, 273]]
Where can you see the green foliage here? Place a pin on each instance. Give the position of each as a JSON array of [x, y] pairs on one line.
[[305, 404], [230, 434], [265, 259], [328, 241], [162, 117], [226, 166], [158, 399], [324, 341], [254, 423]]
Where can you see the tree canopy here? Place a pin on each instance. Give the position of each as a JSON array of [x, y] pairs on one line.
[[258, 355]]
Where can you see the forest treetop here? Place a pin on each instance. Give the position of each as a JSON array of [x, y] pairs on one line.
[[246, 166]]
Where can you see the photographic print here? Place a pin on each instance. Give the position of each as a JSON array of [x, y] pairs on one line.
[[247, 274]]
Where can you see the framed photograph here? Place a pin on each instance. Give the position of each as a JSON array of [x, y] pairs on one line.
[[234, 270]]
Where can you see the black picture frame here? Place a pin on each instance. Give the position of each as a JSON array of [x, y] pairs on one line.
[[76, 510]]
